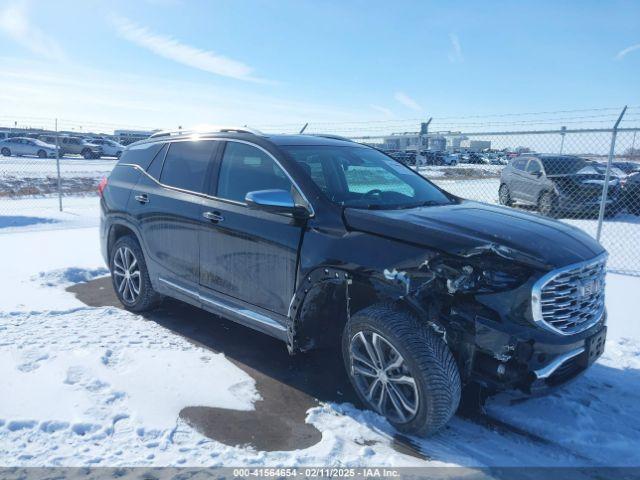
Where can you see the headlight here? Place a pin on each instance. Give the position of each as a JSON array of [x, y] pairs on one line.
[[486, 275]]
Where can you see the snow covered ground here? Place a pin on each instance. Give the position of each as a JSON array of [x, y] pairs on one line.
[[101, 386]]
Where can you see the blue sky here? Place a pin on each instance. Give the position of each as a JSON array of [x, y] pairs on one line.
[[169, 62]]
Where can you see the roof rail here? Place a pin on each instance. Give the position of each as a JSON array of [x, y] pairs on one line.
[[331, 136], [171, 133]]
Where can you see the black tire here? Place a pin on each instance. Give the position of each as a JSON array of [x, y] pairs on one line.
[[6, 152], [504, 195], [426, 358], [42, 154], [87, 154], [548, 205], [147, 298]]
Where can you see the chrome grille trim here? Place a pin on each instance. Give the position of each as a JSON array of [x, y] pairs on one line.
[[556, 303]]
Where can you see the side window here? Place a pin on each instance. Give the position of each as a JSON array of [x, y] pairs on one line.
[[186, 164], [534, 167], [156, 164], [519, 163], [246, 169]]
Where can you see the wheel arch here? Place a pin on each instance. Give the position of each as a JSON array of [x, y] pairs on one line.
[[326, 299], [119, 229]]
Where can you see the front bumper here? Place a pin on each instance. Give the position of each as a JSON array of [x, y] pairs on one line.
[[537, 364]]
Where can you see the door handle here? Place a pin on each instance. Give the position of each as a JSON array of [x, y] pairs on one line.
[[142, 198], [215, 217]]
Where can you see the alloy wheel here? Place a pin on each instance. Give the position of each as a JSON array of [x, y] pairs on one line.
[[381, 375], [126, 273]]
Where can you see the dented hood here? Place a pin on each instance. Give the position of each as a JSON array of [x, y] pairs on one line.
[[469, 227]]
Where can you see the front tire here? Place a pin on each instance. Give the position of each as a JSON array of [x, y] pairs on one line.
[[42, 154], [87, 154], [401, 369], [504, 195], [548, 205], [130, 276], [6, 152]]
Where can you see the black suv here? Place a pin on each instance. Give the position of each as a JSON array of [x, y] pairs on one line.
[[323, 242], [557, 185]]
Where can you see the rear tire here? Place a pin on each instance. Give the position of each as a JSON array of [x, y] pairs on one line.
[[504, 195], [548, 205], [407, 374], [87, 154], [130, 276], [6, 152]]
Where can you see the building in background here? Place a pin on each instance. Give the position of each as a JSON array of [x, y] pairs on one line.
[[125, 137], [475, 145]]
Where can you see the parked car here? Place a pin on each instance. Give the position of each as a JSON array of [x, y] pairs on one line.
[[404, 157], [475, 158], [631, 194], [557, 185], [110, 148], [627, 167], [26, 146], [440, 158], [322, 242], [74, 146]]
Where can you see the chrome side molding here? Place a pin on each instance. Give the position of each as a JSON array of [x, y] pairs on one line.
[[254, 317]]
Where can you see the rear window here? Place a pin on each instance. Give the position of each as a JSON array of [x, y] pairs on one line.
[[186, 164]]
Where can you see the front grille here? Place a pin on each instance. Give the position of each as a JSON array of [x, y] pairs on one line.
[[571, 299]]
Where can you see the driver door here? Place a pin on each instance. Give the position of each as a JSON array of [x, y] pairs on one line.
[[250, 255]]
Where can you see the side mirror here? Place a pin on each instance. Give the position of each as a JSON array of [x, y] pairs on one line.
[[275, 201]]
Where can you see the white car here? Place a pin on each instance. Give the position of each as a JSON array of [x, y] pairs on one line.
[[26, 146], [109, 147]]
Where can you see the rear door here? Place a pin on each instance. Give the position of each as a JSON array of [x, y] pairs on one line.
[[532, 181], [248, 254], [518, 180], [167, 204]]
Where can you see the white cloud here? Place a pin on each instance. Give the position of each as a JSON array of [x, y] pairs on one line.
[[383, 110], [625, 51], [407, 101], [168, 47], [16, 24], [102, 99], [455, 55]]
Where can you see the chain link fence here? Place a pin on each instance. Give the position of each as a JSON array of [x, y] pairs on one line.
[[587, 177], [46, 164]]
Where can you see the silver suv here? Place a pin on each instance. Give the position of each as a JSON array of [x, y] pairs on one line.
[[74, 145]]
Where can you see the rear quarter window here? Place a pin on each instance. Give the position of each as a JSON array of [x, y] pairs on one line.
[[140, 155]]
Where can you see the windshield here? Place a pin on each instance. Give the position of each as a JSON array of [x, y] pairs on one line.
[[363, 177], [563, 165]]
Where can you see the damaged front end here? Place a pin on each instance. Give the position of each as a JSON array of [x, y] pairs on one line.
[[478, 300]]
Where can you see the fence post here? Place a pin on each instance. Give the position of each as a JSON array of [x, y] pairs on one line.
[[58, 168], [605, 187], [563, 132]]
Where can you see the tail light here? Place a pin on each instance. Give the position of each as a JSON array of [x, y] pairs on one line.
[[101, 186]]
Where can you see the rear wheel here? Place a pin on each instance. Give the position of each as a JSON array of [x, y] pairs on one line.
[[130, 276], [401, 369], [504, 195], [5, 152], [87, 154], [548, 205]]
